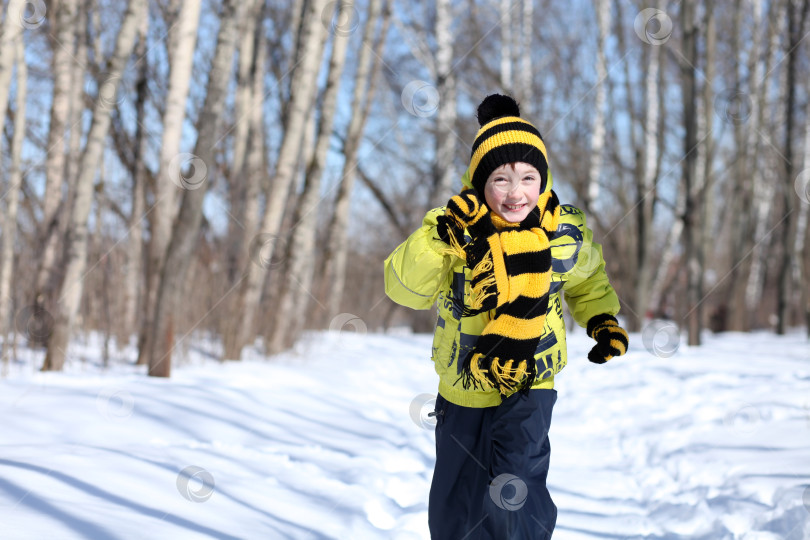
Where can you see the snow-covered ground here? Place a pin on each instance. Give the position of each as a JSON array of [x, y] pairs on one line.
[[331, 440]]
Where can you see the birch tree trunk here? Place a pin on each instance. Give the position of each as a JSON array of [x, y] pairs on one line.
[[132, 282], [646, 192], [337, 243], [304, 82], [705, 191], [598, 133], [185, 232], [77, 234], [796, 15], [12, 200], [444, 173], [246, 106], [692, 211], [12, 27], [526, 56], [295, 295], [182, 42], [801, 225], [505, 24], [62, 66], [763, 176]]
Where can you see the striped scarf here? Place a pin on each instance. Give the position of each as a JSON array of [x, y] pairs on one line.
[[510, 272]]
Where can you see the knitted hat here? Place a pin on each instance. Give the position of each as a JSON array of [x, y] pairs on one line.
[[504, 138]]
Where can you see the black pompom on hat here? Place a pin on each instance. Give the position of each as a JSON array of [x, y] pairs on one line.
[[504, 137]]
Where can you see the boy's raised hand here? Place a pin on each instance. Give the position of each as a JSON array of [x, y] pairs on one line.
[[611, 339], [462, 211]]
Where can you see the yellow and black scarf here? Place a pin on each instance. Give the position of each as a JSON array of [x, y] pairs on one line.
[[510, 267]]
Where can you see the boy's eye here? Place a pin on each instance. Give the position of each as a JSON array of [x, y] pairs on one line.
[[499, 180], [528, 179]]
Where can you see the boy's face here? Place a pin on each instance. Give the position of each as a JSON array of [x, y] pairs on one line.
[[512, 191]]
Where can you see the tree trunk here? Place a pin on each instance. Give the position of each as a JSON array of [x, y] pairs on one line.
[[132, 282], [11, 197], [295, 295], [747, 169], [598, 133], [9, 32], [305, 85], [796, 15], [800, 246], [705, 191], [505, 23], [443, 169], [77, 234], [337, 244], [182, 42], [646, 193], [691, 215], [247, 105], [527, 27], [61, 41], [763, 176], [185, 233]]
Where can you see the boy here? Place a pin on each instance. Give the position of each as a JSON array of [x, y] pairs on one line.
[[495, 259]]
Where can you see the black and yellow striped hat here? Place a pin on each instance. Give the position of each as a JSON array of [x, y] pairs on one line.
[[504, 138]]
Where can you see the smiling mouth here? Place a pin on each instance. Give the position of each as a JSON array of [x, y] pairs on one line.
[[514, 207]]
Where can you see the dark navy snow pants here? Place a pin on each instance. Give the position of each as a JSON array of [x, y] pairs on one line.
[[491, 467]]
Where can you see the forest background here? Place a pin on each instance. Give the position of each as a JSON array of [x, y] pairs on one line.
[[240, 169]]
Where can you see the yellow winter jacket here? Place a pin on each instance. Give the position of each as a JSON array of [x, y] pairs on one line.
[[418, 274]]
